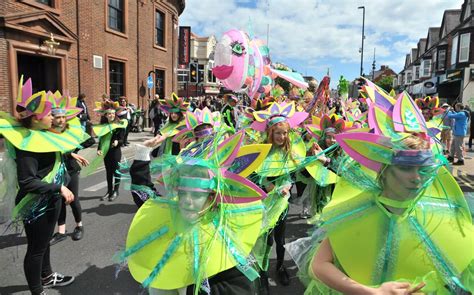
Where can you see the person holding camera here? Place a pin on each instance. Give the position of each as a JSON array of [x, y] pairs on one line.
[[461, 119]]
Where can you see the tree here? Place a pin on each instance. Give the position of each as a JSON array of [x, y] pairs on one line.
[[386, 83]]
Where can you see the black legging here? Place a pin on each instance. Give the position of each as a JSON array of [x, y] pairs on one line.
[[111, 162], [127, 130], [278, 234], [73, 186], [37, 264]]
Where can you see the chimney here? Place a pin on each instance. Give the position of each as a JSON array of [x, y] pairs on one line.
[[383, 67]]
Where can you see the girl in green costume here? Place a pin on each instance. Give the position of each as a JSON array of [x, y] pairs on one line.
[[41, 180], [198, 236], [398, 225], [111, 138], [175, 107], [287, 153]]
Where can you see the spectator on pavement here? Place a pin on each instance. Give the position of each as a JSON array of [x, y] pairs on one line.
[[461, 118]]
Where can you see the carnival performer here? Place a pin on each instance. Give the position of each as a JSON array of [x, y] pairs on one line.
[[398, 222], [288, 151], [197, 236], [41, 180], [228, 110], [324, 171], [111, 136], [202, 128], [63, 111], [175, 107]]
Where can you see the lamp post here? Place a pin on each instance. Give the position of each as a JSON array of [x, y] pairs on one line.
[[363, 37]]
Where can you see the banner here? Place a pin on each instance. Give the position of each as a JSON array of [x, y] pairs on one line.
[[184, 46]]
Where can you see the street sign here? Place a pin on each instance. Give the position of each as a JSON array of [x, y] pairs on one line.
[[149, 82]]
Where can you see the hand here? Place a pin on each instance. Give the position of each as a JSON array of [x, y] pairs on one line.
[[315, 149], [152, 142], [99, 153], [81, 160], [115, 143], [285, 191], [67, 195], [396, 288]]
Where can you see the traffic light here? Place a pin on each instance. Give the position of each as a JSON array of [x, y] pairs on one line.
[[200, 73], [193, 71]]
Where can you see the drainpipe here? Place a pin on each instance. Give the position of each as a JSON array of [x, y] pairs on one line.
[[78, 49], [138, 55]]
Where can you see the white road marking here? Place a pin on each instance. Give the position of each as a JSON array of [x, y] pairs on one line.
[[96, 187]]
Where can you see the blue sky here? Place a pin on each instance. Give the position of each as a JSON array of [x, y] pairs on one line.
[[311, 36]]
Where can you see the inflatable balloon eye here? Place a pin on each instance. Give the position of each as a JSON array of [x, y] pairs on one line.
[[231, 59]]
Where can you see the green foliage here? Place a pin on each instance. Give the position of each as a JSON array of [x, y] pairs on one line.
[[386, 83]]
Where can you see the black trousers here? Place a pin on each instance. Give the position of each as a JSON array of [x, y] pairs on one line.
[[111, 162], [278, 234], [38, 234], [73, 186], [228, 282], [127, 131]]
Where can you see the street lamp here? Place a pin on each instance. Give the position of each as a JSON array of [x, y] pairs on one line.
[[363, 37]]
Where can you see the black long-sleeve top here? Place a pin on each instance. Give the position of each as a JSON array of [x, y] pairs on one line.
[[31, 169], [117, 134], [71, 164]]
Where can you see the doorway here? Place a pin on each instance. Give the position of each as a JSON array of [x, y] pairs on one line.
[[45, 72]]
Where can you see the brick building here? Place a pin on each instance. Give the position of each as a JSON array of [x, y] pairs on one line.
[[108, 46]]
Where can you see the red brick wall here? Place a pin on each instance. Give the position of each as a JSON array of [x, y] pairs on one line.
[[94, 39]]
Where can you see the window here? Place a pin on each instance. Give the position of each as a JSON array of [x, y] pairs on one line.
[[159, 28], [417, 72], [160, 83], [464, 47], [116, 15], [116, 79], [408, 79], [426, 68], [45, 2], [183, 76], [454, 52], [442, 60]]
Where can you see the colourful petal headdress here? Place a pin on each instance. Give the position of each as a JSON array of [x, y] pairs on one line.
[[198, 118], [390, 120], [107, 106], [332, 123], [174, 104], [34, 104], [229, 163], [431, 103], [64, 104], [277, 113]]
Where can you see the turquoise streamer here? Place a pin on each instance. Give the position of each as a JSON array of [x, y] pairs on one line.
[[164, 259], [137, 247], [244, 210], [244, 265], [452, 279], [196, 252], [388, 249]]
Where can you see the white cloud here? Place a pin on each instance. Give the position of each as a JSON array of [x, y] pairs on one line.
[[315, 30]]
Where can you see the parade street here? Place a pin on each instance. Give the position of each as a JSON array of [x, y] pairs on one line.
[[106, 225]]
